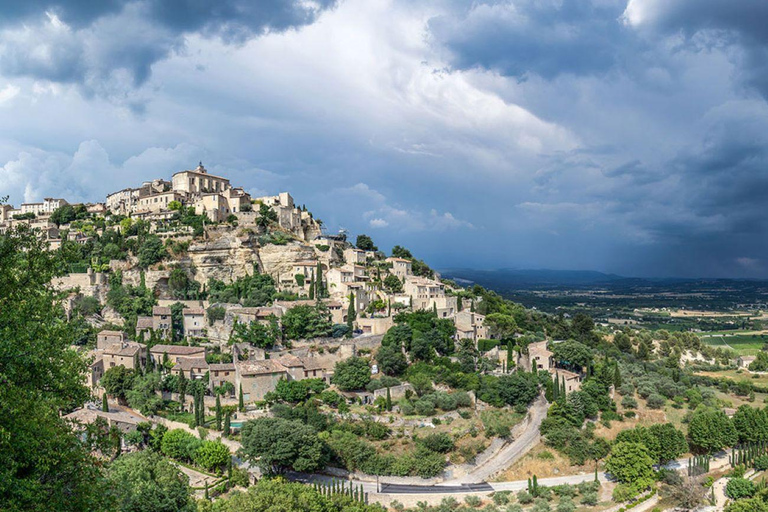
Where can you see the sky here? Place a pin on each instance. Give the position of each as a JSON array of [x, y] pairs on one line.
[[625, 136]]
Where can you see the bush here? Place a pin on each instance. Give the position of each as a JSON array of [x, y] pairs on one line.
[[473, 501], [501, 497], [566, 505], [589, 498], [738, 488], [656, 401], [524, 497], [212, 455], [424, 407], [624, 492], [761, 463], [629, 402], [438, 442]]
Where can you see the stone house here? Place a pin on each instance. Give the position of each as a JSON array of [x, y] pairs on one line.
[[158, 202], [219, 373], [199, 181], [572, 380], [175, 353], [144, 327], [401, 267], [539, 357], [193, 368], [745, 361], [130, 354], [107, 338], [470, 325], [194, 322], [258, 378], [119, 418], [161, 321], [355, 256], [375, 325]]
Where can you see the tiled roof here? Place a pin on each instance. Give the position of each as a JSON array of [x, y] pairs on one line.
[[160, 310], [289, 360], [143, 322], [222, 367], [193, 311], [187, 364], [176, 350], [264, 367]]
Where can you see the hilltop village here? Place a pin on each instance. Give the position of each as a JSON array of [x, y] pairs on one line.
[[223, 340]]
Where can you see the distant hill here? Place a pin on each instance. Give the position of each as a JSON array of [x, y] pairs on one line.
[[527, 278]]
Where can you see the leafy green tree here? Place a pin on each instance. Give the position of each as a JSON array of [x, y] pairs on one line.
[[118, 381], [572, 354], [179, 444], [351, 374], [181, 287], [278, 445], [151, 251], [630, 463], [393, 284], [751, 424], [212, 455], [142, 395], [748, 505], [365, 243], [399, 335], [306, 321], [257, 333], [710, 431], [43, 464], [391, 360], [267, 216], [502, 326], [63, 215], [146, 482]]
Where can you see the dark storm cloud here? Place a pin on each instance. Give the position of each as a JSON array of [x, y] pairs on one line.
[[87, 42], [704, 23], [545, 38]]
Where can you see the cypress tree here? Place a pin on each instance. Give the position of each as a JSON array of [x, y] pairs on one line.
[[472, 306], [182, 383], [311, 290], [218, 412], [319, 293], [240, 401], [104, 403], [351, 314], [389, 400], [434, 309], [206, 491], [616, 377], [226, 430], [196, 405]]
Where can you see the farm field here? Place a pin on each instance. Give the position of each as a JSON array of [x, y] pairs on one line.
[[743, 343]]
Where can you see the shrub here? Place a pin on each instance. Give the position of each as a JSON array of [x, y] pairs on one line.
[[656, 401], [179, 444], [761, 463], [524, 497], [438, 442], [212, 455], [629, 402], [541, 505], [624, 492], [589, 498], [424, 407], [738, 488], [473, 501], [566, 505], [501, 497]]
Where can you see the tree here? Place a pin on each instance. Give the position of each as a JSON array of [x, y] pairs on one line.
[[267, 216], [320, 290], [502, 326], [145, 482], [218, 412], [151, 251], [391, 360], [306, 321], [748, 505], [118, 381], [212, 455], [687, 494], [623, 342], [256, 333], [401, 252], [399, 335], [179, 444], [351, 314], [44, 465], [351, 374], [630, 463], [277, 445], [572, 354], [240, 400], [226, 431], [670, 441], [751, 424], [710, 431], [393, 284], [365, 243], [104, 403]]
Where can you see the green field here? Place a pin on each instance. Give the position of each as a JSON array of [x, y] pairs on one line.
[[742, 344]]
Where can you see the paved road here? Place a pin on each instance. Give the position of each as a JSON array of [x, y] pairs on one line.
[[509, 454]]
